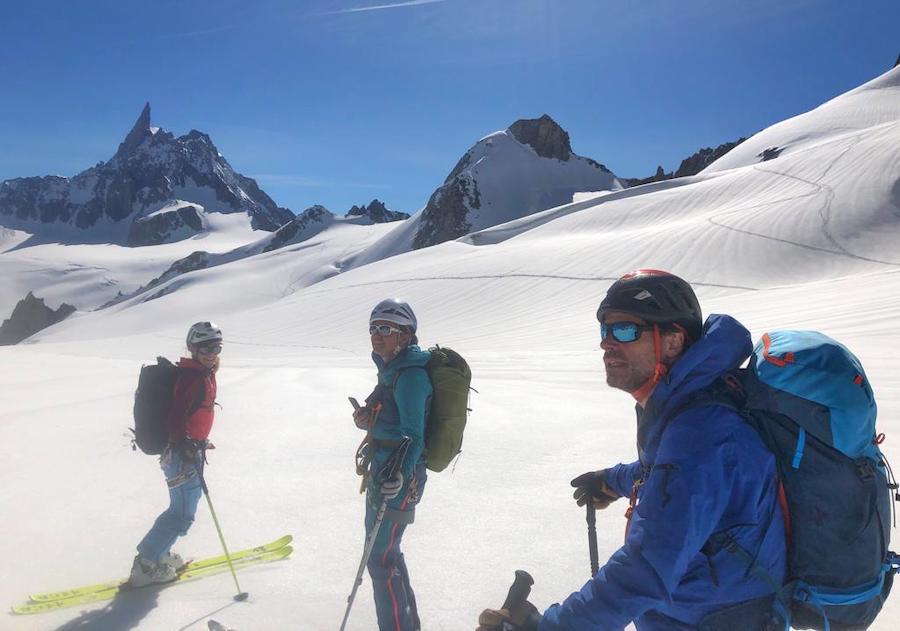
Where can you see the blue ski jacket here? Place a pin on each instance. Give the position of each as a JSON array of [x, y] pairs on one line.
[[404, 408], [702, 471]]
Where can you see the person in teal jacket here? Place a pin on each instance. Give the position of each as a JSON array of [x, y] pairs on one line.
[[396, 409]]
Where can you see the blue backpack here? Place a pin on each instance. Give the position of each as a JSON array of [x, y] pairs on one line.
[[809, 399]]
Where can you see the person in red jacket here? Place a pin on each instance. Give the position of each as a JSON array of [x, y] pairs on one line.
[[189, 422]]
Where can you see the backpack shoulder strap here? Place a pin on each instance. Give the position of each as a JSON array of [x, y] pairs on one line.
[[201, 389], [727, 391]]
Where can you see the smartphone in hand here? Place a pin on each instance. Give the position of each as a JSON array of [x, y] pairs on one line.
[[354, 403]]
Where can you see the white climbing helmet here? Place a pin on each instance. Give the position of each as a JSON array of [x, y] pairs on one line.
[[396, 311], [201, 332]]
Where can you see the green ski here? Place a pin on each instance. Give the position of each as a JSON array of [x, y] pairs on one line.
[[82, 598], [190, 567]]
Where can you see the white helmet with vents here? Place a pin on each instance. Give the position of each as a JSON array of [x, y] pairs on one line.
[[201, 332], [395, 311]]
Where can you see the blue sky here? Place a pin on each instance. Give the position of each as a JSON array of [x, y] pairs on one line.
[[336, 102]]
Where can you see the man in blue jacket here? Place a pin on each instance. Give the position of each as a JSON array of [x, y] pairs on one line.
[[705, 542]]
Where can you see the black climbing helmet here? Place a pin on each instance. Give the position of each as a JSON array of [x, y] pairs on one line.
[[655, 296]]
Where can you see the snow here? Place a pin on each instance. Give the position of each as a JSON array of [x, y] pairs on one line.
[[203, 195], [807, 240], [89, 275]]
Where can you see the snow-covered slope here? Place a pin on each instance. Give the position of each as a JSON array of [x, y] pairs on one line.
[[807, 240], [863, 109]]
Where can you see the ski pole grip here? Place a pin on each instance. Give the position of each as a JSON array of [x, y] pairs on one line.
[[519, 590]]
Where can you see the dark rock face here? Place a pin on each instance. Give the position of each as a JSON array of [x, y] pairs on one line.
[[150, 168], [705, 157], [446, 215], [897, 63], [769, 154], [689, 166], [159, 227], [191, 263], [30, 316], [40, 198], [377, 212], [287, 232], [137, 134], [544, 135]]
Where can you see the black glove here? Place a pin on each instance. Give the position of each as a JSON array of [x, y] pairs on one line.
[[592, 486], [522, 617]]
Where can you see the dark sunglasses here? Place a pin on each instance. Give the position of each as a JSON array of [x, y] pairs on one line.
[[383, 329], [623, 332], [210, 349]]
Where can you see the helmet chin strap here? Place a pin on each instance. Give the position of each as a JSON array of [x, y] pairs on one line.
[[399, 348], [643, 393]]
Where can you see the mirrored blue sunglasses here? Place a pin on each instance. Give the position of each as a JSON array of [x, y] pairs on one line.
[[624, 332]]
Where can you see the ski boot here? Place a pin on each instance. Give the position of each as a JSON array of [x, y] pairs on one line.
[[145, 572], [174, 561]]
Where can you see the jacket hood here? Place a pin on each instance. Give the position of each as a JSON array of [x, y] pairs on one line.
[[412, 355], [724, 345]]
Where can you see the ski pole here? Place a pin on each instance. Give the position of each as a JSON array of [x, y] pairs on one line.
[[389, 471], [592, 537], [240, 595]]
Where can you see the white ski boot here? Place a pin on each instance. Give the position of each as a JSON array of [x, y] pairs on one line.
[[174, 561], [144, 572]]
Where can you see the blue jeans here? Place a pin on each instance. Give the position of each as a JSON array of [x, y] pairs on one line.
[[395, 603], [183, 480]]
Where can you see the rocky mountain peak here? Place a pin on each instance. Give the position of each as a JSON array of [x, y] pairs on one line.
[[495, 181], [377, 212], [139, 131], [544, 135], [197, 136], [31, 315], [158, 186]]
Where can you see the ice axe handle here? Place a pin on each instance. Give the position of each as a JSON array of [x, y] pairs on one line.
[[519, 590]]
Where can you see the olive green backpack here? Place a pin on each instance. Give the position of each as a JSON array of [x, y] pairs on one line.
[[450, 377]]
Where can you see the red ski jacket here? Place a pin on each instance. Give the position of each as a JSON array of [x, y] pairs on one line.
[[191, 414]]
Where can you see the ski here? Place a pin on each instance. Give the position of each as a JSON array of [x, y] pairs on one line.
[[190, 567], [110, 593]]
